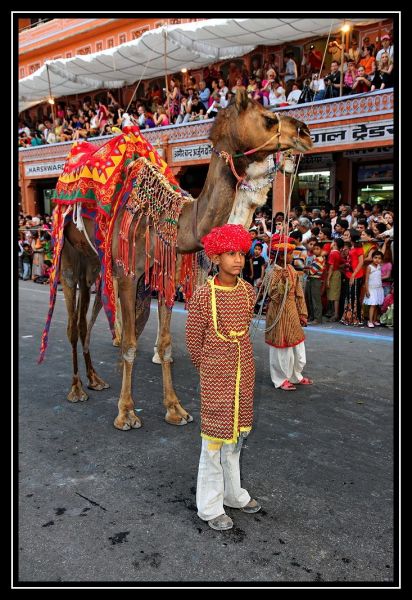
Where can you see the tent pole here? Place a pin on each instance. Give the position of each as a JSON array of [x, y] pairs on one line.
[[167, 85], [50, 94]]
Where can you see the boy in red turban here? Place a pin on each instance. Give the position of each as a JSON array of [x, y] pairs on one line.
[[217, 333], [285, 316]]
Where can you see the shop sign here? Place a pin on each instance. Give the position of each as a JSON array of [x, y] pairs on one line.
[[197, 152], [38, 169], [368, 152], [375, 131], [375, 173], [314, 161]]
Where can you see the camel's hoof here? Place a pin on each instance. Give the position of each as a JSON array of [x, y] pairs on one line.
[[127, 423], [77, 396], [97, 386], [179, 420], [116, 343]]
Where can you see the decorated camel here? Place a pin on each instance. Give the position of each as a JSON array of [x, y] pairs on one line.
[[134, 231]]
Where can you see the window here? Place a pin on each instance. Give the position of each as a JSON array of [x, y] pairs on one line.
[[99, 46], [122, 38], [68, 54], [110, 42], [34, 67], [22, 71]]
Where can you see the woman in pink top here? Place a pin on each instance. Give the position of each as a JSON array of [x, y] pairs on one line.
[[160, 117]]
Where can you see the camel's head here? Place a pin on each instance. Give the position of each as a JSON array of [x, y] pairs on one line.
[[245, 125]]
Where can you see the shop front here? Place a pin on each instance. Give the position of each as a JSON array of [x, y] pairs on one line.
[[315, 182], [373, 176]]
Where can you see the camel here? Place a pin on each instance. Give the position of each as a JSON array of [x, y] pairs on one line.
[[243, 135]]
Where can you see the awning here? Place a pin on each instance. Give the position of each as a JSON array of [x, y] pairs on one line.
[[190, 45]]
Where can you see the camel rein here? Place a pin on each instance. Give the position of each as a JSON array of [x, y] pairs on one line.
[[228, 158]]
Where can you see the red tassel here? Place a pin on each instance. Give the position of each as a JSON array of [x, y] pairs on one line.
[[147, 249]]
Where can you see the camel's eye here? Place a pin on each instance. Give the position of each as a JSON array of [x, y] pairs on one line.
[[270, 121]]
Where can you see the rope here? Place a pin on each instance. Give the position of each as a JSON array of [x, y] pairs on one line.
[[131, 99], [78, 221], [326, 48]]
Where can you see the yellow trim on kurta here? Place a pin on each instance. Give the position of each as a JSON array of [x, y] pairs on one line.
[[233, 338]]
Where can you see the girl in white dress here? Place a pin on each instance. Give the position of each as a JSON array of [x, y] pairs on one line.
[[373, 288]]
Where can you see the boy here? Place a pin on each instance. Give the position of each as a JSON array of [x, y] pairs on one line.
[[286, 314], [217, 334], [257, 266], [314, 283]]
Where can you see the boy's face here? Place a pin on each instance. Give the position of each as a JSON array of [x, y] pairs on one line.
[[257, 250], [316, 250], [309, 246], [230, 263]]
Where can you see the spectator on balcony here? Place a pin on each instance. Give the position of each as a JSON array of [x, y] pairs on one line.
[[239, 85], [290, 73], [294, 95], [277, 95], [191, 93], [354, 53], [335, 50], [174, 96], [366, 43], [37, 138], [307, 93], [314, 59], [160, 117], [102, 116], [385, 69], [198, 110], [317, 85], [332, 81], [60, 112], [367, 60], [215, 89], [256, 72], [361, 84], [24, 140], [349, 78], [386, 47], [266, 83], [204, 92], [184, 112], [94, 122], [222, 89], [193, 84], [215, 106]]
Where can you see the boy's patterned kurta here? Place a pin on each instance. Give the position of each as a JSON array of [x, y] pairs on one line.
[[217, 335], [288, 331]]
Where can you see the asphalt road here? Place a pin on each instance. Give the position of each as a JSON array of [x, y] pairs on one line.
[[99, 505]]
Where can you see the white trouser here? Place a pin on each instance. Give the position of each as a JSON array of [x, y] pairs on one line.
[[218, 480], [287, 363]]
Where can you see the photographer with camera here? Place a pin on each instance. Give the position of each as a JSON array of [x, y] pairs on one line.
[[317, 85], [332, 81]]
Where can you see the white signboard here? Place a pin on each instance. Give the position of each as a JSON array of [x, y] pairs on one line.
[[42, 169], [375, 131], [312, 161], [198, 152]]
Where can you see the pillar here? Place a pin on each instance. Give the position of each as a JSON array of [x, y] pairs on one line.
[[280, 193], [29, 197]]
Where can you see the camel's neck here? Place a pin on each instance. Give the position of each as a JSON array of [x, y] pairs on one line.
[[214, 206]]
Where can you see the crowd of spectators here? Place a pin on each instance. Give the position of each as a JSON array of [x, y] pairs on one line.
[[364, 69], [344, 257]]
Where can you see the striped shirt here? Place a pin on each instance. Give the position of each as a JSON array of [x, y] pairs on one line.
[[317, 267]]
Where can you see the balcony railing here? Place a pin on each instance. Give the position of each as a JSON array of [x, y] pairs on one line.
[[326, 112]]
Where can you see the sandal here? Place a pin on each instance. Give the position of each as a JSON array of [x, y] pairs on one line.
[[287, 386], [306, 381]]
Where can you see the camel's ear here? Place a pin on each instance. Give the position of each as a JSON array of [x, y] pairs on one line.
[[242, 99]]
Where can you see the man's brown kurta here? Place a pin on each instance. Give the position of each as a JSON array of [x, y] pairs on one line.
[[226, 366], [288, 331]]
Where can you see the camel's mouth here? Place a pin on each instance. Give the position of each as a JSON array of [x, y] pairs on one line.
[[302, 144]]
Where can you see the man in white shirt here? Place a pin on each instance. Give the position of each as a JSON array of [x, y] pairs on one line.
[[386, 47], [294, 94], [305, 228], [291, 72]]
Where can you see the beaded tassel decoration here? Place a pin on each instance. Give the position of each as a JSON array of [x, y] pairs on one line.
[[161, 203]]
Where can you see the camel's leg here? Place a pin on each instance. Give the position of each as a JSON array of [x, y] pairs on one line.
[[168, 352], [77, 393], [95, 382], [126, 417], [118, 319], [175, 413]]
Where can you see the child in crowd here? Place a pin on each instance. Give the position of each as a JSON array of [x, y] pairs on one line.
[[27, 257], [334, 277], [314, 283], [217, 334], [373, 288]]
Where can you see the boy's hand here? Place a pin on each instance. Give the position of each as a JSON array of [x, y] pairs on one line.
[[303, 320], [367, 294]]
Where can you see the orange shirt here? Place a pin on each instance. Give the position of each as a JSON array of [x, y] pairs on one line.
[[367, 63]]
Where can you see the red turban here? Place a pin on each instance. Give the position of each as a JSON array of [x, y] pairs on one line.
[[282, 242], [228, 238]]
